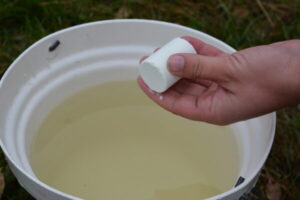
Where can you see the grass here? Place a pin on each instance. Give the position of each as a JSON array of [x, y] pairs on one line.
[[240, 23]]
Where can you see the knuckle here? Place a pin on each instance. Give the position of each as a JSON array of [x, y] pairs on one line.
[[218, 117], [222, 123], [196, 70], [236, 60], [173, 108], [233, 63]]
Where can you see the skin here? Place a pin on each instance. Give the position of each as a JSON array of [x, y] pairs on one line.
[[222, 88]]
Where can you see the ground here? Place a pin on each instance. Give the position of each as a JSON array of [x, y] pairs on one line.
[[240, 23]]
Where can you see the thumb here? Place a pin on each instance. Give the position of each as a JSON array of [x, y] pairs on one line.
[[196, 67]]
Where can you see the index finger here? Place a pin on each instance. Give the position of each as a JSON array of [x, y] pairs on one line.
[[184, 105], [203, 48]]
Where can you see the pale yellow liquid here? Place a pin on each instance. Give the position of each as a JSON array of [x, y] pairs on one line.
[[111, 142]]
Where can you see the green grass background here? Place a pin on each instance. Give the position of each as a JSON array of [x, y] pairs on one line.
[[240, 23]]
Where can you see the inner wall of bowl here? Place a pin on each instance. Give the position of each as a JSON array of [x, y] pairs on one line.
[[57, 91], [248, 134], [72, 82], [77, 72]]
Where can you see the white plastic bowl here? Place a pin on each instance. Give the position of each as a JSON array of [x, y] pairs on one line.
[[94, 53]]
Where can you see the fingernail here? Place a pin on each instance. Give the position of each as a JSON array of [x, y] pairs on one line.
[[176, 63]]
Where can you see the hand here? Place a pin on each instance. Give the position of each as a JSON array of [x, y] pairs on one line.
[[224, 88]]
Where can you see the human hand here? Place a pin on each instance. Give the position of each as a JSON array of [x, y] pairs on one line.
[[223, 88]]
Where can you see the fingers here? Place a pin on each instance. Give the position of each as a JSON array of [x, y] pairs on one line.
[[185, 86], [171, 100], [203, 48], [198, 67], [194, 97], [194, 107]]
